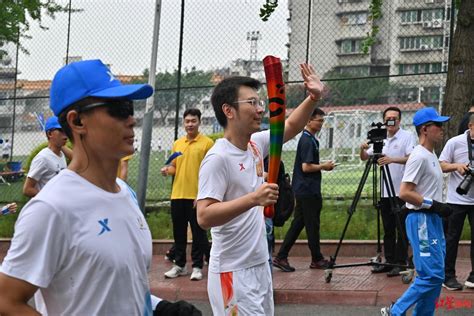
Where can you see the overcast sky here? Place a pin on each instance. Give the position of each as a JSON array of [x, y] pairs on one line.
[[120, 33]]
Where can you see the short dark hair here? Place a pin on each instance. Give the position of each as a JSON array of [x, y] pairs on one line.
[[418, 129], [392, 108], [192, 112], [62, 120], [317, 111], [227, 91]]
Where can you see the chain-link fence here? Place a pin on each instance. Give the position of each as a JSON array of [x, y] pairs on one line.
[[406, 67]]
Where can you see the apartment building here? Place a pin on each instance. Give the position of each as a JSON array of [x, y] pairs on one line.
[[412, 45]]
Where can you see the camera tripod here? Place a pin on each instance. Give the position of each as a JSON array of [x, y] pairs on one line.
[[376, 261]]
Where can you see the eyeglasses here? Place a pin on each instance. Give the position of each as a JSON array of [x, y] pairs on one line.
[[120, 109], [318, 120], [437, 124], [254, 103]]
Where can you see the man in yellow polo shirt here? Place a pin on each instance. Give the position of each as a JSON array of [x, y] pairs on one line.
[[185, 169]]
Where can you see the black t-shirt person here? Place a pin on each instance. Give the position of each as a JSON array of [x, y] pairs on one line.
[[306, 184]]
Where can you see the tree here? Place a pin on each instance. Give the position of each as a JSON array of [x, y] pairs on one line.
[[344, 91], [15, 17], [460, 81], [195, 85]]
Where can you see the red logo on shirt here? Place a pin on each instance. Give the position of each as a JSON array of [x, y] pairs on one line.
[[241, 166]]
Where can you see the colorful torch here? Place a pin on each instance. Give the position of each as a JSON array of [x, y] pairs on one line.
[[277, 105]]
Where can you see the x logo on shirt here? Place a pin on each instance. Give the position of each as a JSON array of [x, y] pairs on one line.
[[104, 224]]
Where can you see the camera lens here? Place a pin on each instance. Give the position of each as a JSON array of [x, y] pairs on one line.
[[465, 184]]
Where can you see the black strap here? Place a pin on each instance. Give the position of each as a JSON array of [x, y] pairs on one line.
[[470, 149]]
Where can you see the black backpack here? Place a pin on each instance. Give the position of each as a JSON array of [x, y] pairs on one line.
[[286, 199]]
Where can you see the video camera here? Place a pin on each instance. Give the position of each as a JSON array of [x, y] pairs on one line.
[[377, 135], [466, 183]]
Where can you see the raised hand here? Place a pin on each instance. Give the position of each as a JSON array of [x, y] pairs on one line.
[[315, 87]]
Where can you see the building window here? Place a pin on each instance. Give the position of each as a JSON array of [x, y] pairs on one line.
[[348, 1], [422, 68], [354, 18], [430, 15], [351, 47], [418, 16], [421, 43], [430, 94], [354, 70], [413, 16], [3, 97]]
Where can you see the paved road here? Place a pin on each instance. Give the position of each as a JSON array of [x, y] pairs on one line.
[[330, 310]]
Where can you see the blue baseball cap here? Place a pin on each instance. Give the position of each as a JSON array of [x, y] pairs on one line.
[[428, 114], [90, 78], [52, 123]]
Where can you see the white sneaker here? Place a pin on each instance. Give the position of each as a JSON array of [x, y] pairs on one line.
[[175, 272], [469, 283], [196, 275]]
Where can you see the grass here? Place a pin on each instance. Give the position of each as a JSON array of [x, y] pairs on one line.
[[362, 226], [339, 187]]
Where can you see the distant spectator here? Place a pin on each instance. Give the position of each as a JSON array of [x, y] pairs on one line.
[[49, 161], [122, 171], [185, 169], [6, 148], [309, 202]]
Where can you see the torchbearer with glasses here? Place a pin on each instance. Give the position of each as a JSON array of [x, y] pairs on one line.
[[83, 241]]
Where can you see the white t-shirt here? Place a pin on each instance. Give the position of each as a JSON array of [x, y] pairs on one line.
[[226, 174], [45, 166], [455, 151], [87, 249], [423, 169], [6, 148], [400, 145]]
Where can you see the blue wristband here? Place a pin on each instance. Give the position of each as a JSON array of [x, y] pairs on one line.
[[5, 210], [427, 203]]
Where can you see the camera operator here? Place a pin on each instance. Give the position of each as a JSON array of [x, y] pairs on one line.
[[463, 125], [396, 149], [457, 158]]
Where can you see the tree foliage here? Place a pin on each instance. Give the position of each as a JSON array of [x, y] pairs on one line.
[[344, 91], [17, 15], [267, 9], [375, 9], [195, 85]]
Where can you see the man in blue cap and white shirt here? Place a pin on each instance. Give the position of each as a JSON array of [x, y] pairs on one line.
[[83, 241], [49, 161], [421, 189]]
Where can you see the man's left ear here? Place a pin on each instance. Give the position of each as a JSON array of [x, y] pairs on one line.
[[227, 109]]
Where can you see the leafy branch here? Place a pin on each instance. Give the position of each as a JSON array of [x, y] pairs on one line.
[[375, 10], [267, 9], [15, 23]]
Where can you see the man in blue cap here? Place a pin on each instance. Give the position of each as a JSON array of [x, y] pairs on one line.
[[49, 161], [83, 241], [422, 189]]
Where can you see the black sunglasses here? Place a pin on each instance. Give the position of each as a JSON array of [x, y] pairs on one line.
[[120, 109]]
